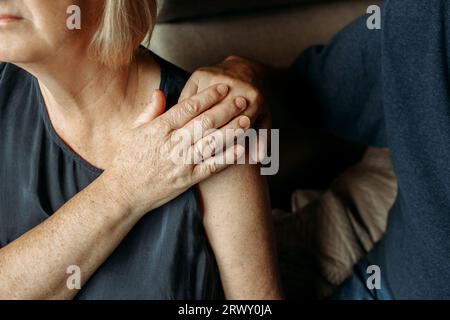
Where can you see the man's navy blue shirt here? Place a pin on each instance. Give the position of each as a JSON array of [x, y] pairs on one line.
[[390, 87]]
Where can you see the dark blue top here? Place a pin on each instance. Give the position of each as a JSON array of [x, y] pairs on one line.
[[390, 87], [165, 256]]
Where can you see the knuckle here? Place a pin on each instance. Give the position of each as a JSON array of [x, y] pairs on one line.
[[212, 167], [209, 147], [180, 182], [255, 95], [233, 58], [206, 73], [163, 124], [232, 80], [202, 72], [165, 149], [247, 71], [197, 74], [191, 107], [211, 142], [213, 95], [207, 122]]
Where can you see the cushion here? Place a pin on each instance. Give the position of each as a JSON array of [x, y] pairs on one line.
[[170, 10], [328, 232], [274, 36]]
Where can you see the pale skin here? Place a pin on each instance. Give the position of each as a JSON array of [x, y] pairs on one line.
[[105, 116]]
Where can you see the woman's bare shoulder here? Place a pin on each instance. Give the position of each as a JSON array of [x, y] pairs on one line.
[[240, 186]]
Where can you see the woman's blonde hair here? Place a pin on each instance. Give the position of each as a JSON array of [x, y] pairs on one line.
[[122, 28]]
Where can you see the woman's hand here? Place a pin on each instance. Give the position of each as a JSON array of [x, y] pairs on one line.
[[144, 175]]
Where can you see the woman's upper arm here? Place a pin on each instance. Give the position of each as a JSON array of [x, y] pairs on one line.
[[239, 227]]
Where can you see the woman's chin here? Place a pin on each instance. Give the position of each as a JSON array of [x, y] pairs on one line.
[[18, 49], [12, 57]]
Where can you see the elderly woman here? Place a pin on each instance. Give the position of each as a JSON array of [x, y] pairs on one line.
[[85, 170]]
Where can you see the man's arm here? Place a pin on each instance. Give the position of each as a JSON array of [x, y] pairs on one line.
[[341, 84]]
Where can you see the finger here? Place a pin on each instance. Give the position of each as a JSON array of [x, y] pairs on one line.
[[190, 89], [218, 163], [216, 118], [179, 115], [155, 108], [219, 140], [258, 148]]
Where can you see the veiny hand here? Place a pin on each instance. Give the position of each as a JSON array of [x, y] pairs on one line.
[[143, 175], [245, 77]]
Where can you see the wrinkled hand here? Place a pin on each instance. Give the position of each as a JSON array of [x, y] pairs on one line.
[[143, 175], [245, 77]]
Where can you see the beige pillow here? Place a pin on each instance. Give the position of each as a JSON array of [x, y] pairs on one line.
[[329, 231], [170, 10]]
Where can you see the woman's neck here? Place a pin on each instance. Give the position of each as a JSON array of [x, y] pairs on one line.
[[86, 89], [90, 105]]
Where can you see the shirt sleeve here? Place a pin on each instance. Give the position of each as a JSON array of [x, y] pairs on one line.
[[342, 83]]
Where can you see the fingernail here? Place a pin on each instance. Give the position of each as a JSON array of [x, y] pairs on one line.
[[222, 89], [244, 122], [241, 103]]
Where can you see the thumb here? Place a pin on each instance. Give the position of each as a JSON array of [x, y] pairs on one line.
[[154, 109]]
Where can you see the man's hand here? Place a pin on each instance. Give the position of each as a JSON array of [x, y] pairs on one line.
[[246, 79]]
